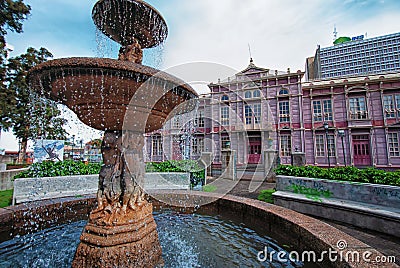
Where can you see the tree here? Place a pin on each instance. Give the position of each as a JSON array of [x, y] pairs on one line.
[[33, 116], [12, 13]]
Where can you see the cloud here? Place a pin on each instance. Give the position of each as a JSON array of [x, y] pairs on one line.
[[281, 33]]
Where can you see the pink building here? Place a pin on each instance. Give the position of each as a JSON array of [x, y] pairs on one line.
[[365, 109], [337, 122], [256, 110]]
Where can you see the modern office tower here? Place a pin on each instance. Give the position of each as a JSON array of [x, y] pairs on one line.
[[354, 57]]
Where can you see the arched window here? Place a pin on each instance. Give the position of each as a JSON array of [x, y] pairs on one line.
[[247, 94], [225, 98], [256, 94], [283, 92]]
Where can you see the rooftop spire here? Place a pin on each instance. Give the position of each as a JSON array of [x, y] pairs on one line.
[[251, 58], [334, 33]]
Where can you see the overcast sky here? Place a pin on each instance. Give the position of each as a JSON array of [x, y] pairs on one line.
[[281, 33]]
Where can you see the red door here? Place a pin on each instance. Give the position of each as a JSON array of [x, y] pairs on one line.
[[254, 150], [361, 150]]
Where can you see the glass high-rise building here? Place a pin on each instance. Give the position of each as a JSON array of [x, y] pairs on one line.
[[355, 56]]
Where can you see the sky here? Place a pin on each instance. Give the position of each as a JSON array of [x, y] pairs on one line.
[[281, 34]]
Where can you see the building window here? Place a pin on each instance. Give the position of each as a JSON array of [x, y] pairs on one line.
[[257, 113], [256, 94], [397, 102], [319, 145], [200, 119], [157, 145], [247, 94], [391, 106], [225, 142], [327, 110], [317, 108], [358, 109], [252, 113], [225, 98], [177, 122], [393, 141], [284, 115], [331, 146], [388, 106], [247, 114], [224, 116], [286, 145], [197, 145]]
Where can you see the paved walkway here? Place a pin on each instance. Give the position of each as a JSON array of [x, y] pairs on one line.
[[387, 245]]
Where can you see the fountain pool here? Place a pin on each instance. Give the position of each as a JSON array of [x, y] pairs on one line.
[[187, 240], [193, 227]]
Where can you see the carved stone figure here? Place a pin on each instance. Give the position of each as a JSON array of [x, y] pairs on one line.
[[132, 52], [121, 177]]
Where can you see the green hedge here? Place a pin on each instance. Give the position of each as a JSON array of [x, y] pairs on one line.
[[62, 168], [177, 166], [353, 174], [69, 167]]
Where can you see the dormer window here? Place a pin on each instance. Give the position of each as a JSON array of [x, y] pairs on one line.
[[283, 92], [225, 98], [247, 95]]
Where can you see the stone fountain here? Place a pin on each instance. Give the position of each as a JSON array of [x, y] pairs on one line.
[[125, 99]]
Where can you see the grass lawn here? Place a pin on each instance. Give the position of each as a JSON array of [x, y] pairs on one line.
[[209, 188], [6, 198], [266, 196]]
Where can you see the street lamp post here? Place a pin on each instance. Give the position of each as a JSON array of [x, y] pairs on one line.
[[326, 127], [72, 147], [341, 134], [81, 151]]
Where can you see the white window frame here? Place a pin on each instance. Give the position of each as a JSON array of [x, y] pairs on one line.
[[284, 111]]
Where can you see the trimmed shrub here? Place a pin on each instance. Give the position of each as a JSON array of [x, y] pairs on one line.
[[176, 166], [197, 173], [352, 174], [62, 168]]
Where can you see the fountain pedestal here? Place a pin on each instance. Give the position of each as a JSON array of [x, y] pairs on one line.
[[121, 231], [130, 242], [125, 99]]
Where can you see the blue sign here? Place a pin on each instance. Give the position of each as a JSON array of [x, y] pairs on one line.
[[357, 38], [46, 150]]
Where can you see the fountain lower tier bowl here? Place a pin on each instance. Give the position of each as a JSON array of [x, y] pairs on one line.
[[109, 94]]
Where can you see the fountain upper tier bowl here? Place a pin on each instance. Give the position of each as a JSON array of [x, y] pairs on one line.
[[103, 92], [124, 20]]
